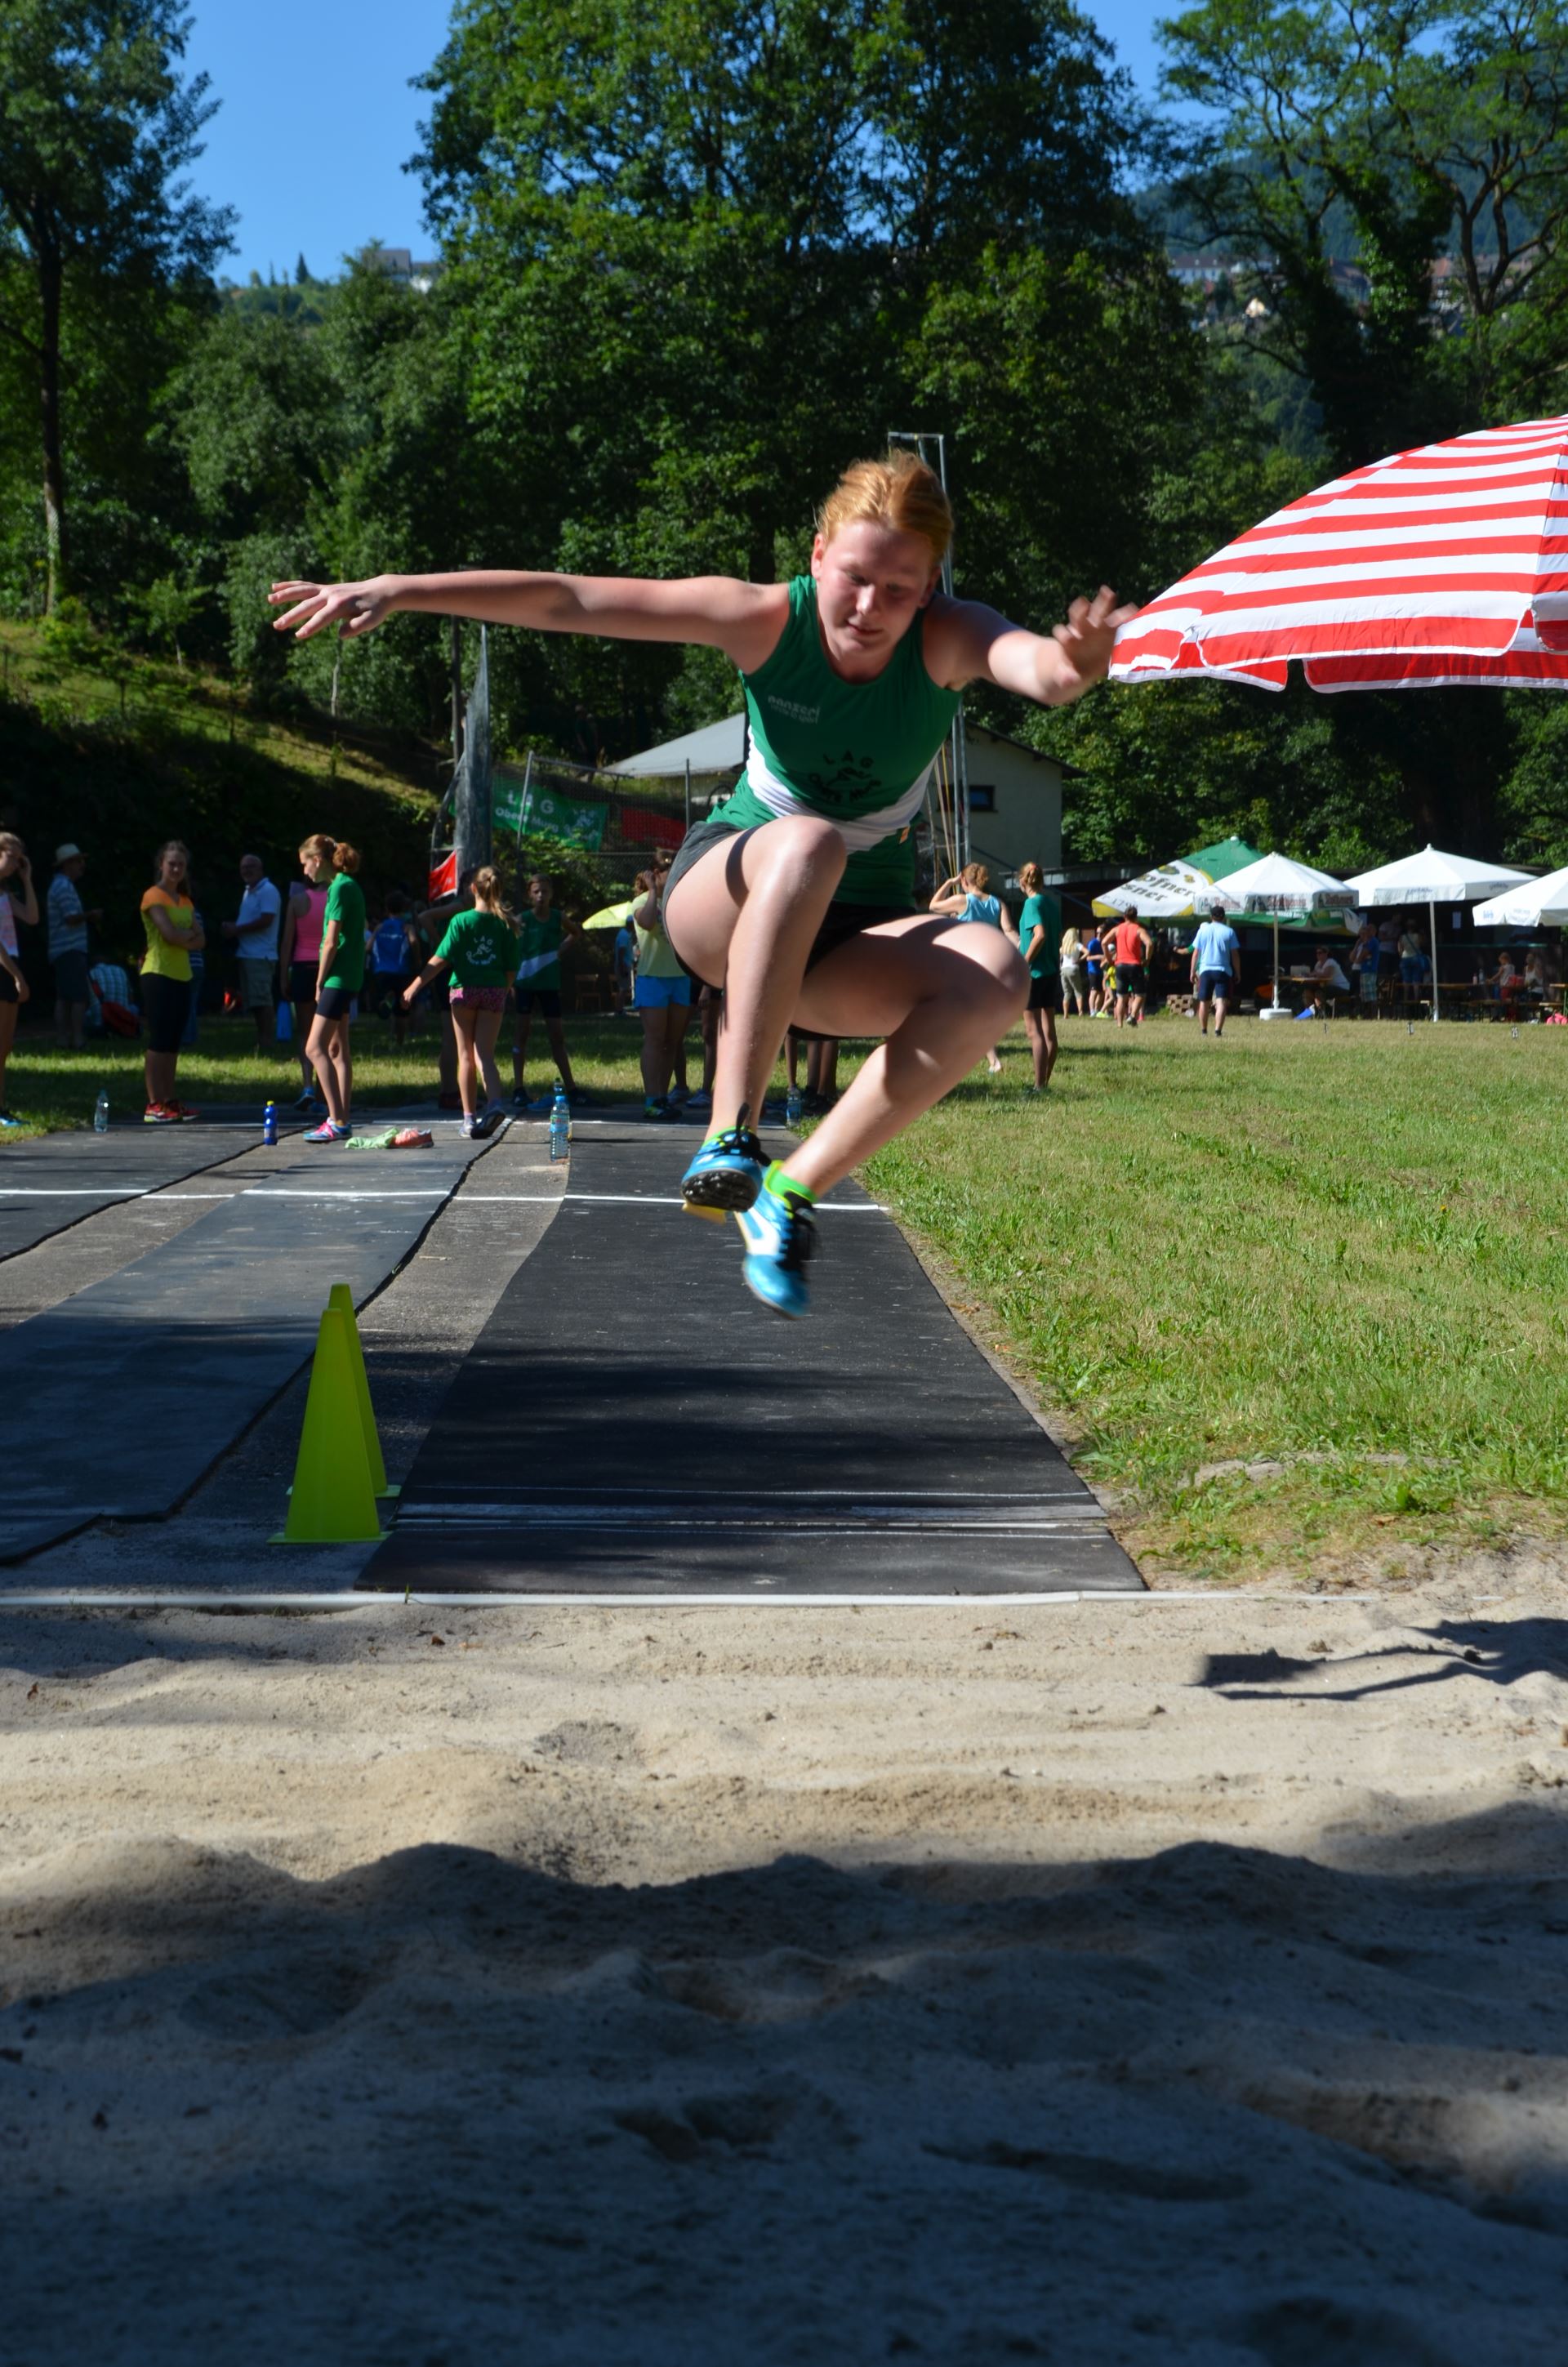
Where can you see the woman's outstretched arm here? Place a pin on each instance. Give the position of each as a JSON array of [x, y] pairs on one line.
[[744, 620], [966, 641]]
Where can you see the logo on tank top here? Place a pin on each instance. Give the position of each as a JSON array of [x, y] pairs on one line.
[[856, 778], [795, 710]]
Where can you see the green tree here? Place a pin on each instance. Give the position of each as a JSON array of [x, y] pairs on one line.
[[95, 124], [697, 249], [1423, 141]]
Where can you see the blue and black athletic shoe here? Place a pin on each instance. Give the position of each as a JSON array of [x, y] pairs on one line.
[[780, 1237], [726, 1173]]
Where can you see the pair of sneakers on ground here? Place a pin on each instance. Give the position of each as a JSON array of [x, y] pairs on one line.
[[730, 1176], [676, 1106], [169, 1114], [543, 1103]]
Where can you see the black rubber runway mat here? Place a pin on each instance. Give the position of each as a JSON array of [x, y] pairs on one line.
[[630, 1420], [127, 1392], [54, 1181]]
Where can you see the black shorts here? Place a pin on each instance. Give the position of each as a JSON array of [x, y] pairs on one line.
[[545, 999], [335, 1001], [70, 977], [1045, 994], [841, 923], [301, 981], [1130, 978], [165, 1006], [8, 988]]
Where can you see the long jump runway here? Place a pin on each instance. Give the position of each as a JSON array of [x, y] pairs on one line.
[[632, 1423], [131, 1389], [54, 1181]]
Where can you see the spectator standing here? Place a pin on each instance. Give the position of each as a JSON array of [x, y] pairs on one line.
[[541, 935], [18, 902], [1131, 946], [1363, 962], [663, 998], [1216, 968], [255, 934], [968, 897], [1038, 934], [394, 959], [174, 934], [340, 975], [1412, 968], [1071, 963], [1094, 969], [479, 949], [68, 923], [299, 953]]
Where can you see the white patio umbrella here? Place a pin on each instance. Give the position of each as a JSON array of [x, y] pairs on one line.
[[1543, 901], [1278, 883], [1433, 878]]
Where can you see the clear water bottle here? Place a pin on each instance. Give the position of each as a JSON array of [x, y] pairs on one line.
[[560, 1122], [101, 1113], [269, 1125], [792, 1105]]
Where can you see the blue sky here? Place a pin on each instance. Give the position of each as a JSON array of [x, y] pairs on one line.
[[316, 119]]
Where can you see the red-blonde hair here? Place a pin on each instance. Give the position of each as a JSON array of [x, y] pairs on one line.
[[899, 492]]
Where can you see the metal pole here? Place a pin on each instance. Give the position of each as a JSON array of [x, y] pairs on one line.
[[456, 669], [1432, 918], [920, 437], [688, 793]]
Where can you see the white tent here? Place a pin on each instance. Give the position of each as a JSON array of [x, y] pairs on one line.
[[1276, 884], [1542, 900], [1433, 878]]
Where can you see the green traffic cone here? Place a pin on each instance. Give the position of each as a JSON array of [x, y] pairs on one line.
[[332, 1501], [342, 1298]]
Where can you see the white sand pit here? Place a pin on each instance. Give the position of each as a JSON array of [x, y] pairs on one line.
[[1128, 1981]]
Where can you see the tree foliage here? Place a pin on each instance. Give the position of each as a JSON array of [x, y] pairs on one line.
[[700, 254], [94, 123]]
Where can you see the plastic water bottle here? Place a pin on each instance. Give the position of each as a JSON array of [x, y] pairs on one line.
[[269, 1125], [101, 1113], [792, 1105], [560, 1122]]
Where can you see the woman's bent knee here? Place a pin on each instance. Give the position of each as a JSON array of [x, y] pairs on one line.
[[804, 844]]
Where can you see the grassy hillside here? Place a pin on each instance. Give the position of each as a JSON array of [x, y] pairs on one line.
[[120, 752]]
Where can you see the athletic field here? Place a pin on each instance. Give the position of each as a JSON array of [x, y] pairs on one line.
[[1337, 1253]]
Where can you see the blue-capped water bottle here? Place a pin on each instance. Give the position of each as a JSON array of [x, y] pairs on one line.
[[560, 1122], [101, 1114], [792, 1105], [269, 1125]]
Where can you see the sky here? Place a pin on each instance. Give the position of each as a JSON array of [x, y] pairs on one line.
[[317, 119]]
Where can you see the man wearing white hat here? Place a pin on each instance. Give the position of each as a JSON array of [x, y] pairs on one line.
[[68, 947]]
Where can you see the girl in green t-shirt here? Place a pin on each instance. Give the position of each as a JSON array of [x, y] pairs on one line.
[[479, 948], [340, 974], [797, 897]]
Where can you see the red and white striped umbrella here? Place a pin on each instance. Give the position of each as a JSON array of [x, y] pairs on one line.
[[1444, 564]]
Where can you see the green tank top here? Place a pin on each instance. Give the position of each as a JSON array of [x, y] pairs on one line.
[[859, 753]]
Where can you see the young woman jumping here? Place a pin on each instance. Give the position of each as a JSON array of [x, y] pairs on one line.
[[797, 895]]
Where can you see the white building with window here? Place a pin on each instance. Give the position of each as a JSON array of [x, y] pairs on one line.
[[1015, 794]]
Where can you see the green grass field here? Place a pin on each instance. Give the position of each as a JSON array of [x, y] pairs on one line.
[[1341, 1252], [1316, 1247]]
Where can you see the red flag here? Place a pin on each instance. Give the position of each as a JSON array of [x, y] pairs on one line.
[[443, 878]]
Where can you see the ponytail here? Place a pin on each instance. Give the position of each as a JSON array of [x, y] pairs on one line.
[[489, 896], [345, 857]]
